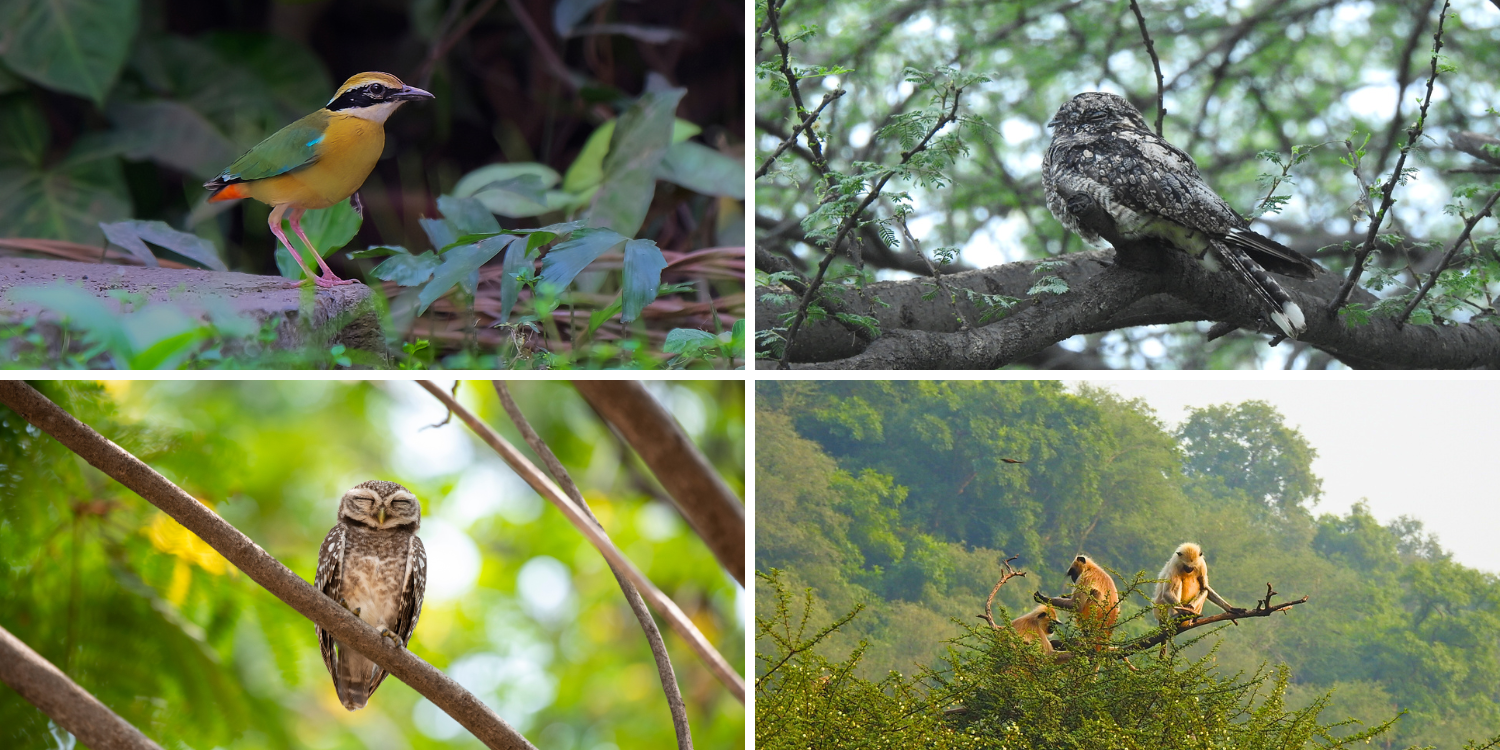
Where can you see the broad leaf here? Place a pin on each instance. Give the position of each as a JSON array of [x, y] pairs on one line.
[[407, 269], [439, 232], [641, 138], [75, 46], [458, 264], [66, 202], [689, 341], [517, 260], [567, 13], [703, 170], [132, 235], [564, 261], [467, 216], [172, 134], [643, 265]]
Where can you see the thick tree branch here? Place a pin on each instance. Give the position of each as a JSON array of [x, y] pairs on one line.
[[632, 595], [921, 334], [700, 494], [260, 566], [61, 699], [545, 487]]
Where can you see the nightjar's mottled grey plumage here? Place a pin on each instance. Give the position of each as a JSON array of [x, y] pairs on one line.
[[373, 564], [1108, 176]]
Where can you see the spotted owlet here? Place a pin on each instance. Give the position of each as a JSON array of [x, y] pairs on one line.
[[372, 563], [1108, 176]]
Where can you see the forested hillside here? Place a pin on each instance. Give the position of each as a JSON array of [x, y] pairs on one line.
[[904, 496]]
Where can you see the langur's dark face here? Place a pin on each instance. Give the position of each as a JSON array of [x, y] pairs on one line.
[[1077, 568]]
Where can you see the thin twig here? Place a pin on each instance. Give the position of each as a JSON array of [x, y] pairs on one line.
[[62, 700], [1161, 107], [1413, 134], [851, 221], [807, 121], [446, 43], [554, 494], [714, 511], [963, 323], [1447, 258], [350, 631], [543, 47], [632, 595]]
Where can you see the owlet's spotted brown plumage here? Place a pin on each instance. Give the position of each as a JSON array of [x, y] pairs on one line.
[[373, 564], [1108, 176]]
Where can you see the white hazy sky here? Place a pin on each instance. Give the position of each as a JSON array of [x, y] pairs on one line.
[[1411, 448]]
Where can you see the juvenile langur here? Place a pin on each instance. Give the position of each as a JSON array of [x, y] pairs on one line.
[[1095, 598], [1035, 626], [1185, 585]]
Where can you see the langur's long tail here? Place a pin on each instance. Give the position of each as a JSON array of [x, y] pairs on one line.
[[1283, 311]]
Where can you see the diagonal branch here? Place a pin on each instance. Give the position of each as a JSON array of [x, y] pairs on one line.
[[632, 595], [549, 490], [260, 566], [61, 699], [700, 494], [1447, 258], [1413, 134]]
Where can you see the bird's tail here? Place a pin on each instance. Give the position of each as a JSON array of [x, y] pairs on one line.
[[356, 679], [1283, 311]]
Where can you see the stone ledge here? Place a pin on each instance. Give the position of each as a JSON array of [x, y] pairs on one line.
[[342, 315]]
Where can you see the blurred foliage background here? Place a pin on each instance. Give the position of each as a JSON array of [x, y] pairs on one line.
[[893, 495], [113, 110], [1242, 78], [520, 609]]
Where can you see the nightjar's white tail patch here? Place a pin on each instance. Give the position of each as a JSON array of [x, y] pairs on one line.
[[1278, 305]]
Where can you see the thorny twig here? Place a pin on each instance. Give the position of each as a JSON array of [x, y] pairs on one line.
[[1448, 257], [852, 220], [1161, 109], [1413, 134], [807, 121], [963, 323]]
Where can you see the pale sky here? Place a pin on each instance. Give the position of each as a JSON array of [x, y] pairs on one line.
[[1412, 448]]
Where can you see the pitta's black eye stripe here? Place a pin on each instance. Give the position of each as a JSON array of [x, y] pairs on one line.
[[361, 96]]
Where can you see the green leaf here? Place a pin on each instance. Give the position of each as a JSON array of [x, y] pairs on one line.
[[134, 234], [490, 174], [327, 228], [74, 46], [1048, 285], [170, 352], [689, 341], [597, 317], [458, 264], [517, 197], [587, 171], [643, 265], [440, 233], [65, 202], [101, 323], [641, 138], [737, 339], [564, 261], [467, 216], [24, 135], [379, 251], [407, 269], [703, 170], [172, 134], [515, 262]]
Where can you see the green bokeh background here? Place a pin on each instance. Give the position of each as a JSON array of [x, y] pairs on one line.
[[143, 615]]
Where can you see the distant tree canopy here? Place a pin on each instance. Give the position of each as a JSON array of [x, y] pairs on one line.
[[892, 495], [1296, 111]]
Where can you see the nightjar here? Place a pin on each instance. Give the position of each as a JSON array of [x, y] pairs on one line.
[[1108, 176]]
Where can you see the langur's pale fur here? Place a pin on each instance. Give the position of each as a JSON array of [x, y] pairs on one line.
[[1184, 585]]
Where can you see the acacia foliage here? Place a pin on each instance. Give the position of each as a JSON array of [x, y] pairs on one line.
[[1295, 111], [165, 632], [845, 468]]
